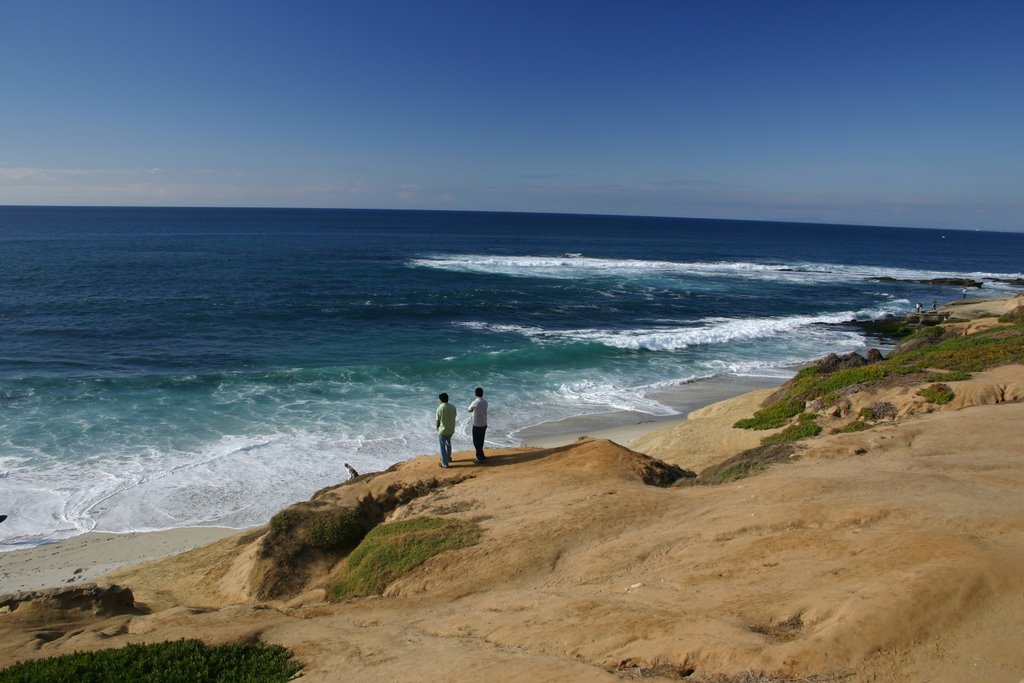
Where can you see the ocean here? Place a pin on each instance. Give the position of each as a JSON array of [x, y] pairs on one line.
[[173, 367]]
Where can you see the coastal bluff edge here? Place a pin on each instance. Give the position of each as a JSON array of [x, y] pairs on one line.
[[889, 552]]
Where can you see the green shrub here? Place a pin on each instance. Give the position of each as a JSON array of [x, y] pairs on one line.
[[773, 416], [169, 662], [933, 333], [390, 551], [1014, 316], [804, 427], [936, 393], [282, 521], [954, 376], [897, 369], [337, 530], [840, 379]]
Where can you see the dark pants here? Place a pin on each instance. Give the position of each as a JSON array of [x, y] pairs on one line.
[[478, 441]]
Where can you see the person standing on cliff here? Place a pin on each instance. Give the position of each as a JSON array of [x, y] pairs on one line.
[[445, 426], [479, 409]]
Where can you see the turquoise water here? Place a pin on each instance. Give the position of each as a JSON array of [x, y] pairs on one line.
[[173, 367]]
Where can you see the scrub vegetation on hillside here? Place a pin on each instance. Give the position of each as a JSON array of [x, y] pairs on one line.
[[168, 662], [933, 349]]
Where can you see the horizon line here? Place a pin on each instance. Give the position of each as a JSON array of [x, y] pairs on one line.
[[499, 211]]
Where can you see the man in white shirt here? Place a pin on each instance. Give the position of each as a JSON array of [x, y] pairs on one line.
[[479, 409]]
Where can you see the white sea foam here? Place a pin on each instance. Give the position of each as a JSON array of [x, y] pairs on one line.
[[704, 332], [569, 267], [608, 397], [525, 330], [237, 481], [799, 272]]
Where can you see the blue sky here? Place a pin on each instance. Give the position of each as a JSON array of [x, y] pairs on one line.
[[883, 113]]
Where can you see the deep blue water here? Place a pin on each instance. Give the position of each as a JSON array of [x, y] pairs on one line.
[[169, 367]]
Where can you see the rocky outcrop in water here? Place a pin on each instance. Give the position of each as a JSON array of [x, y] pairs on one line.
[[952, 281]]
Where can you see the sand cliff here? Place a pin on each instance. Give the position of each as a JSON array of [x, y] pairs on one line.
[[890, 554]]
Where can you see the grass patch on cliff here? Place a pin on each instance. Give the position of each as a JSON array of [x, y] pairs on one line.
[[828, 384], [809, 383], [773, 416], [988, 348], [804, 427], [340, 530], [392, 550], [933, 348], [283, 521], [332, 530], [936, 393], [953, 376], [169, 662]]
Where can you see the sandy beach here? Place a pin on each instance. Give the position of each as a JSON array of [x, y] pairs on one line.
[[895, 553], [624, 426], [84, 558]]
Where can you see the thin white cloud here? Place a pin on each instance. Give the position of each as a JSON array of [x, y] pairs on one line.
[[423, 196], [324, 189], [25, 173]]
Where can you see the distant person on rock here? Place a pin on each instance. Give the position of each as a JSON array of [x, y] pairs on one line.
[[445, 426], [479, 409]]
